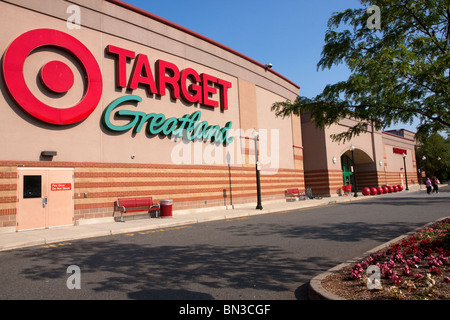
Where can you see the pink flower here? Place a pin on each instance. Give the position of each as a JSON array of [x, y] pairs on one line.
[[406, 270], [396, 279], [410, 262], [356, 271], [391, 264], [418, 276], [447, 279], [435, 270]]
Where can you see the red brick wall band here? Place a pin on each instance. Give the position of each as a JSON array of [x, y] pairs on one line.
[[98, 185], [323, 182]]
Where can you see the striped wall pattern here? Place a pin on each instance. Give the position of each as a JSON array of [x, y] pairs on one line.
[[367, 179], [380, 178], [187, 185], [326, 183], [395, 178], [323, 182], [8, 194]]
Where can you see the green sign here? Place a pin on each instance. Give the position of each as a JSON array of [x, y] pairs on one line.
[[188, 125]]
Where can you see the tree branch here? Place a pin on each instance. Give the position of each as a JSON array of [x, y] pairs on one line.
[[425, 29]]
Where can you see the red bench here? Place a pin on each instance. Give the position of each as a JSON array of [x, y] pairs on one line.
[[135, 205], [295, 193]]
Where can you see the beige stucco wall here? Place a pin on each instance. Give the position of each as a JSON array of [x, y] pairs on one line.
[[103, 24], [109, 165], [314, 143], [279, 151]]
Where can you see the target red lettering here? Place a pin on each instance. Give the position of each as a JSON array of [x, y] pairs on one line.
[[163, 78], [142, 75], [186, 84], [193, 92], [121, 63]]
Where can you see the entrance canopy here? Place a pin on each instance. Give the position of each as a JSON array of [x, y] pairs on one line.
[[361, 156]]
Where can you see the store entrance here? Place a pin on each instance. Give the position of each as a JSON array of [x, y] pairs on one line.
[[45, 198], [347, 170]]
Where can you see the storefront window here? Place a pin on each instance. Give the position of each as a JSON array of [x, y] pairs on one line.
[[32, 187]]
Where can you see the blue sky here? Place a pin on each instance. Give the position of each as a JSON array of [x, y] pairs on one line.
[[287, 33]]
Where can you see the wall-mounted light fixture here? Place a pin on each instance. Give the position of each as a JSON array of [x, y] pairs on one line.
[[48, 155], [334, 160]]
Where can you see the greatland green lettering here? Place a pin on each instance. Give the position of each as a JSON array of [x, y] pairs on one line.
[[188, 125]]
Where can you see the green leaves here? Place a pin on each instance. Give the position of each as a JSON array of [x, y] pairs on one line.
[[399, 73], [433, 156]]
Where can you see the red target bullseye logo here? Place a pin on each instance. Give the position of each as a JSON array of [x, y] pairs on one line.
[[55, 75]]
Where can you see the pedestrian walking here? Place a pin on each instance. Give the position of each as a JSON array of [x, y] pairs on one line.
[[434, 183], [428, 184]]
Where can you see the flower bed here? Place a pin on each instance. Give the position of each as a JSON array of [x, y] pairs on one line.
[[416, 267]]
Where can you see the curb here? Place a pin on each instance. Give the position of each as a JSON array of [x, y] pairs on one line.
[[317, 292], [88, 229]]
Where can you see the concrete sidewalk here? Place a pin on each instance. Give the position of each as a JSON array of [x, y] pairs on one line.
[[9, 239]]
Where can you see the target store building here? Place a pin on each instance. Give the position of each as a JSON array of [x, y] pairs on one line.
[[101, 100], [129, 105]]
